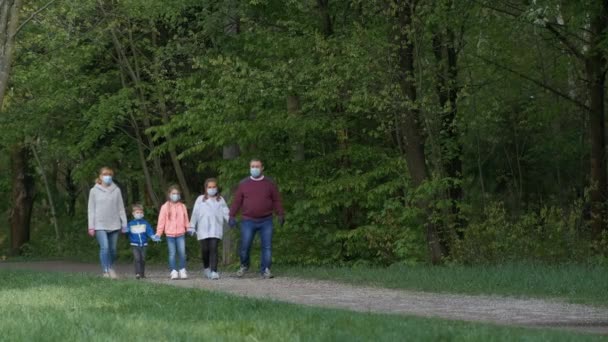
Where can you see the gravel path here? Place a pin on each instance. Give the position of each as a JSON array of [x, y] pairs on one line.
[[491, 309]]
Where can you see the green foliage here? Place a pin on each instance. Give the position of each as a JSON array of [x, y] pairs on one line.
[[550, 235], [143, 85]]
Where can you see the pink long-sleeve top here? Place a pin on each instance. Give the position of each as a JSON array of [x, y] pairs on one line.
[[172, 219]]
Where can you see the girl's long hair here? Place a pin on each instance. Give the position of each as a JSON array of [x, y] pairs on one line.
[[102, 170], [217, 196]]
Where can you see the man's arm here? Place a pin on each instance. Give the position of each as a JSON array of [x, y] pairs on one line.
[[237, 202]]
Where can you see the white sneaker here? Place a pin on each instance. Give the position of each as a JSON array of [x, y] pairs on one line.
[[183, 274], [214, 276], [267, 274], [106, 275], [174, 275], [207, 273], [242, 270], [112, 273]]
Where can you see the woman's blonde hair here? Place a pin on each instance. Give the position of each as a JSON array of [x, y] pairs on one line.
[[102, 170]]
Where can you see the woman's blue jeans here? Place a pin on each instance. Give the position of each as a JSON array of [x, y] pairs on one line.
[[107, 247]]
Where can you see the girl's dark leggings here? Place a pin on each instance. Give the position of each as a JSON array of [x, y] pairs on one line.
[[209, 253]]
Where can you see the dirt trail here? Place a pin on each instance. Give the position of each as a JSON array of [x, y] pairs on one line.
[[491, 309]]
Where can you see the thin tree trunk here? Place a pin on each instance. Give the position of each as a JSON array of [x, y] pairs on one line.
[[133, 72], [72, 192], [595, 67], [293, 108], [49, 194], [410, 124], [177, 166], [230, 152], [9, 19], [23, 198], [451, 148], [144, 165]]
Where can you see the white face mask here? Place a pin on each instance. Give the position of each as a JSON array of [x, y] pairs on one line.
[[106, 179], [212, 192], [138, 216], [175, 197]]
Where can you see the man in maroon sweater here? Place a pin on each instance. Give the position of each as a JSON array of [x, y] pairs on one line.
[[257, 197]]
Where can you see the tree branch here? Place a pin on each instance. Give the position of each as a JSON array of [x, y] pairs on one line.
[[564, 40], [535, 81], [33, 15]]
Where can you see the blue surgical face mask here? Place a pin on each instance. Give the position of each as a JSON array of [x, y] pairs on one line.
[[138, 216], [212, 192], [174, 197], [107, 180], [255, 172]]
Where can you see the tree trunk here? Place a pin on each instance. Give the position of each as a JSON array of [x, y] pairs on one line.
[[144, 166], [230, 152], [410, 119], [595, 67], [451, 148], [23, 198], [9, 18], [293, 108], [72, 191], [177, 166], [326, 21], [49, 194], [132, 71]]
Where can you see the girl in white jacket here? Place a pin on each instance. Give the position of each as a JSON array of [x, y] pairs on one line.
[[209, 215]]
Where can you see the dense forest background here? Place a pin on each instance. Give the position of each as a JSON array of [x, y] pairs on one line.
[[398, 131]]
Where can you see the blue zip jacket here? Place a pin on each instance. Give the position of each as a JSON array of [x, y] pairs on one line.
[[138, 232]]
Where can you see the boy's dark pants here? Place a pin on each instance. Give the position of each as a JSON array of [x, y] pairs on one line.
[[139, 259], [209, 253]]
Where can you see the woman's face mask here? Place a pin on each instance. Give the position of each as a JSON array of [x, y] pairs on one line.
[[106, 179]]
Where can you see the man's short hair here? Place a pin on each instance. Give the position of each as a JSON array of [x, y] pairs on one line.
[[256, 160]]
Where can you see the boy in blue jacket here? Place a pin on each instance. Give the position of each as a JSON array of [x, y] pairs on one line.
[[138, 232]]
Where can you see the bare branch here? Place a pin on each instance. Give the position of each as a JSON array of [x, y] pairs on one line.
[[33, 15], [535, 81]]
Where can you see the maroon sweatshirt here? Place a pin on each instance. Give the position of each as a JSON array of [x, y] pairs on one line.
[[257, 199]]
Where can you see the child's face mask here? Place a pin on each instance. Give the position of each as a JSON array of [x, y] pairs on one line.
[[175, 197], [106, 179], [138, 215], [212, 191]]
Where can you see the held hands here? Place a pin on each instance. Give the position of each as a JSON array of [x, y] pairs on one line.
[[125, 230], [91, 232], [191, 231], [232, 222], [155, 238]]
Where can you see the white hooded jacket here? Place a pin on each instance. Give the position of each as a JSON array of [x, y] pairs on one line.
[[209, 217]]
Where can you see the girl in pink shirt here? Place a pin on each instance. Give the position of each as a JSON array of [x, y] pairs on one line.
[[173, 221]]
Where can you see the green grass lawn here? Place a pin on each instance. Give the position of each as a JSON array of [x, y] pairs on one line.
[[67, 307], [574, 283]]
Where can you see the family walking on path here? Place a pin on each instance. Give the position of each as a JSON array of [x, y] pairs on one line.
[[257, 199]]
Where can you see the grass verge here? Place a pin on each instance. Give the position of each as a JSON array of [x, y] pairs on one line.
[[574, 283]]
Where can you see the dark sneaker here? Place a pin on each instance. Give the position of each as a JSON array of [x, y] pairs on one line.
[[267, 274], [241, 272], [137, 276]]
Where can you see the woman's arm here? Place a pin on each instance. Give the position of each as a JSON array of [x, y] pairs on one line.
[[91, 209]]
